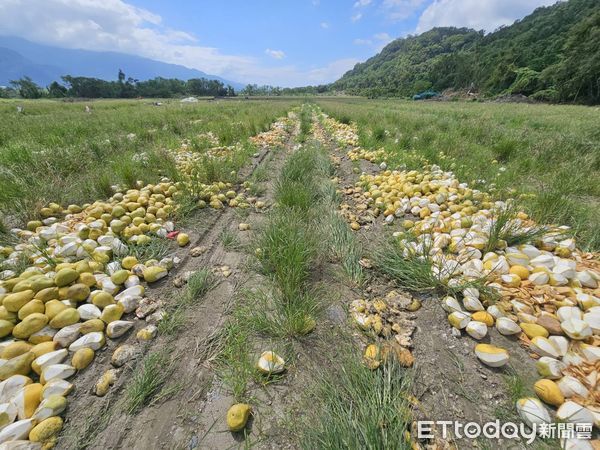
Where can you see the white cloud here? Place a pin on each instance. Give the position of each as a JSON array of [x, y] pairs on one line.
[[379, 40], [481, 15], [110, 25], [356, 17], [362, 3], [277, 54], [114, 25], [397, 10], [331, 71], [383, 37], [324, 25]]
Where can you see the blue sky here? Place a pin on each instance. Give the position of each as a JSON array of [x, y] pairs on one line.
[[285, 42], [310, 33]]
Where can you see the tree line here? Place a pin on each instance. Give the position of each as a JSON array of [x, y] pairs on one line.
[[268, 91], [123, 87]]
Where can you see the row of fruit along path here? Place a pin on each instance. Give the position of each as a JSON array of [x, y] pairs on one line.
[[83, 253], [179, 421], [539, 305]]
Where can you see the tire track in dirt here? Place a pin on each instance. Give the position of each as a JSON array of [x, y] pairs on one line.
[[94, 422]]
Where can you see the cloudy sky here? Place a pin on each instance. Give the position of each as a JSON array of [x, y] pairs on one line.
[[278, 42]]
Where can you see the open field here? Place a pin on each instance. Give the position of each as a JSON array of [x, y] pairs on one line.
[[55, 152], [296, 274]]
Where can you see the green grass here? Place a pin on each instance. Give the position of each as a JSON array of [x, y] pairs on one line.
[[505, 230], [210, 170], [257, 189], [172, 321], [305, 123], [547, 156], [157, 248], [267, 314], [287, 252], [261, 173], [55, 152], [516, 388], [230, 240], [148, 380], [199, 283], [343, 245], [303, 181], [18, 266], [414, 272], [234, 364], [354, 407]]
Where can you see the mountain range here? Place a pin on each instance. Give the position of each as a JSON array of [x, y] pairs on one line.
[[45, 64], [553, 54]]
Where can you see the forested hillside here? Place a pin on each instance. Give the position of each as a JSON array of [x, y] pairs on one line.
[[552, 54]]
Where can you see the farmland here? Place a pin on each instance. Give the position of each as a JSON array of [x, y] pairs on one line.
[[313, 274]]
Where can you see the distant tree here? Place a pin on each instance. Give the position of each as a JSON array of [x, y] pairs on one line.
[[8, 92], [56, 90], [250, 89], [422, 85], [121, 76], [91, 87], [577, 76], [526, 83], [27, 88]]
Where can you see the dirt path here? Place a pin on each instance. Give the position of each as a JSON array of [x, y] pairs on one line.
[[94, 422], [278, 406]]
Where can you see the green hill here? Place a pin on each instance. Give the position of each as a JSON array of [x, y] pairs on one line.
[[552, 54]]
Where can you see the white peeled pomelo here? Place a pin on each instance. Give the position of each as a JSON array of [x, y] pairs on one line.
[[491, 355], [477, 330], [532, 411], [507, 327]]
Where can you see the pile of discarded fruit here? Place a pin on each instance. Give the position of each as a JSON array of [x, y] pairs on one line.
[[347, 136], [70, 280], [277, 134], [59, 310], [505, 271], [191, 164]]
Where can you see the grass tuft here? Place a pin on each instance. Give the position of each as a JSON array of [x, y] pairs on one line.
[[344, 246], [355, 407], [417, 272], [157, 248], [234, 364], [508, 230], [199, 284], [287, 252], [270, 315], [230, 240], [147, 381]]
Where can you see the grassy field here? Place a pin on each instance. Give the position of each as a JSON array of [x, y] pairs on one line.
[[56, 152], [548, 156]]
